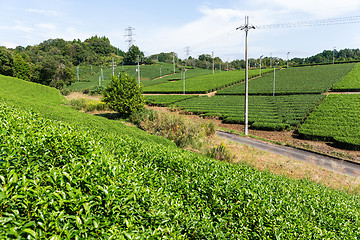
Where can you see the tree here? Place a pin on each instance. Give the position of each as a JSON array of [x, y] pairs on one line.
[[22, 68], [132, 55], [123, 95], [53, 73], [6, 62]]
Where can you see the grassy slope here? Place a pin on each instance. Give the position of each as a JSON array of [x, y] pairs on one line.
[[49, 102], [95, 186]]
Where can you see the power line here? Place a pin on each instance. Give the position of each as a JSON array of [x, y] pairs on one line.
[[313, 23]]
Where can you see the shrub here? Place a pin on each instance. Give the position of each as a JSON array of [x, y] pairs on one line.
[[123, 95], [220, 152], [179, 129]]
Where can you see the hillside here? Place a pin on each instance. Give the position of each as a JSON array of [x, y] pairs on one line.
[[68, 174]]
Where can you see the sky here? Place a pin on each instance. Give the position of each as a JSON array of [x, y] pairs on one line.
[[204, 26]]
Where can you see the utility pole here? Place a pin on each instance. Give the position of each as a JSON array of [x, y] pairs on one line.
[[270, 60], [77, 73], [274, 79], [246, 27], [91, 69], [260, 64], [213, 61], [99, 81], [287, 61], [138, 69], [102, 74], [220, 65], [174, 61], [113, 67], [183, 77], [334, 55]]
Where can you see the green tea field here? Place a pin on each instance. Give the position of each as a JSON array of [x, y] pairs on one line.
[[301, 80], [203, 84], [70, 175]]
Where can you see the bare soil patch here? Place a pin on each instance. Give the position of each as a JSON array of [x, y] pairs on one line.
[[79, 95]]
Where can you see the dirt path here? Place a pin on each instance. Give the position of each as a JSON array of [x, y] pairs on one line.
[[334, 164]]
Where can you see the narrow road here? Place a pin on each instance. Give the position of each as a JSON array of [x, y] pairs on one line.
[[335, 164]]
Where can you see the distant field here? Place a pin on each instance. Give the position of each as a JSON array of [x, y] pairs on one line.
[[350, 82], [337, 117], [90, 80], [265, 112], [177, 77], [203, 84], [165, 100], [316, 79]]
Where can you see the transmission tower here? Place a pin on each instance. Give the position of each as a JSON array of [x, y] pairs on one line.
[[129, 35], [187, 52]]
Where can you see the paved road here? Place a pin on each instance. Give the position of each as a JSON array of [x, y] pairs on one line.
[[335, 164]]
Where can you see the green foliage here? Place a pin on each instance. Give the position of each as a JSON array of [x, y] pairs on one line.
[[6, 62], [54, 73], [336, 118], [300, 80], [265, 112], [202, 84], [351, 82], [123, 95], [22, 68], [131, 56]]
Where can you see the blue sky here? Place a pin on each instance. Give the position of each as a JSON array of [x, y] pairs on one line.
[[164, 26]]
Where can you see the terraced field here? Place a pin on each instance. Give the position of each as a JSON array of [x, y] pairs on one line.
[[203, 84], [265, 112], [90, 81], [301, 80], [350, 82], [336, 118]]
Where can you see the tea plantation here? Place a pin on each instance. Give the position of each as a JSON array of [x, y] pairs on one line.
[[203, 84], [300, 80], [90, 80], [350, 82], [265, 112], [336, 118], [63, 177]]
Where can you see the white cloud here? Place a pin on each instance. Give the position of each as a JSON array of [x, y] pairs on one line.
[[43, 12], [46, 26], [214, 31]]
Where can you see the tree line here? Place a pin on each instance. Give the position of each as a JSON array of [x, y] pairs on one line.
[[52, 61]]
